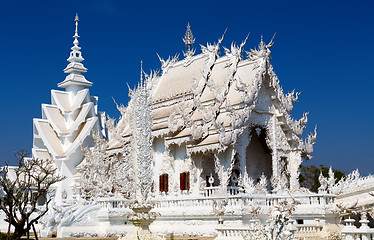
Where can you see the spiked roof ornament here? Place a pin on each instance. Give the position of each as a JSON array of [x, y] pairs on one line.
[[188, 39], [141, 72]]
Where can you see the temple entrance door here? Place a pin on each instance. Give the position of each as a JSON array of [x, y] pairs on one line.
[[258, 155]]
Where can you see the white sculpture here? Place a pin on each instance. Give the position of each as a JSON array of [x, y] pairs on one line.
[[101, 173], [278, 227], [141, 122], [324, 183], [262, 185]]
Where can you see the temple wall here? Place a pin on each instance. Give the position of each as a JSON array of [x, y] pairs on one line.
[[158, 156]]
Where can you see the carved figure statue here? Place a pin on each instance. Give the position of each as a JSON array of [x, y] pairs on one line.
[[331, 180], [219, 208], [324, 183], [211, 180]]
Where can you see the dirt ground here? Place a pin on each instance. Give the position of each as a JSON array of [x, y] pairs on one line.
[[114, 238]]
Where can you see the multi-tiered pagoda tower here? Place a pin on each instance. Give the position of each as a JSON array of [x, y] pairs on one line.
[[67, 123]]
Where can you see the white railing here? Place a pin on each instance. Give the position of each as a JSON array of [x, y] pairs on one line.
[[254, 229], [111, 202], [351, 232], [237, 203], [215, 191], [232, 233], [308, 228], [211, 191], [232, 190], [236, 200]]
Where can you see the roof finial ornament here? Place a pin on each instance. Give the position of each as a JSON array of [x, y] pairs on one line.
[[76, 25], [271, 43], [75, 54], [75, 68], [141, 72], [189, 40]]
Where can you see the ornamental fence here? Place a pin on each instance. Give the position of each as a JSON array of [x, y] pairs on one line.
[[363, 232]]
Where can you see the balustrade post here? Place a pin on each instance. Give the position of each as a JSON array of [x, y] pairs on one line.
[[364, 226], [349, 229], [322, 200]]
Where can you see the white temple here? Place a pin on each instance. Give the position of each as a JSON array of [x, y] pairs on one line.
[[210, 140]]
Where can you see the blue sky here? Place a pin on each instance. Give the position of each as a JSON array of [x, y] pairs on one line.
[[323, 49]]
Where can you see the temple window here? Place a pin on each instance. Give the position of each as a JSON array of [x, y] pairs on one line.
[[234, 178], [77, 54], [184, 181], [164, 183], [208, 172]]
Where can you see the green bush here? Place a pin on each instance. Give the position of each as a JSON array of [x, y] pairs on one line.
[[4, 236]]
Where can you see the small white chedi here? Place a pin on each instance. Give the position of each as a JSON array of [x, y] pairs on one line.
[[209, 141]]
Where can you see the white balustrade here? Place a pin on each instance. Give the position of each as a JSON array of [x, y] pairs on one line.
[[113, 202], [233, 233], [211, 191], [308, 228], [351, 232], [235, 203], [233, 190]]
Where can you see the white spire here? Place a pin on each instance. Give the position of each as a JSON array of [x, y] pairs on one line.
[[75, 68]]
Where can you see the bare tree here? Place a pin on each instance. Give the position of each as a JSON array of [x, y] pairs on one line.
[[25, 187]]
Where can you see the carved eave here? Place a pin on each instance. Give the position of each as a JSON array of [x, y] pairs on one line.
[[114, 144], [75, 80], [52, 142], [116, 147], [282, 100], [120, 138], [286, 124], [41, 154], [68, 102], [75, 67], [209, 144], [178, 141], [56, 119], [160, 133]]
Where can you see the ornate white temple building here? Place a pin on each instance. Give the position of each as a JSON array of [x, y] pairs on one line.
[[210, 139]]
